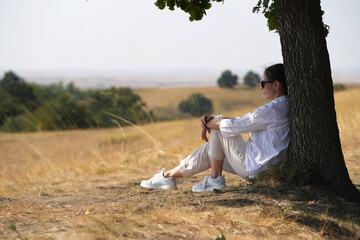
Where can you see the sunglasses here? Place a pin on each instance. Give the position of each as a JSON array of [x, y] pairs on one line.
[[262, 82]]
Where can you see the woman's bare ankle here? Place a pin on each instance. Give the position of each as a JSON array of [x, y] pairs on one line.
[[167, 174], [215, 176], [176, 173]]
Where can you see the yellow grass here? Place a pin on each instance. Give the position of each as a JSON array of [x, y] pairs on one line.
[[347, 105], [164, 101], [48, 181]]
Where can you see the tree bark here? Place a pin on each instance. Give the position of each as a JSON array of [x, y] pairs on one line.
[[315, 156]]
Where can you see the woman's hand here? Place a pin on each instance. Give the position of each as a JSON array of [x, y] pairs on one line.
[[203, 134], [205, 119]]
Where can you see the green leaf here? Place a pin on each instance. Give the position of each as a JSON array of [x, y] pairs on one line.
[[12, 226], [266, 3], [220, 237], [160, 4]]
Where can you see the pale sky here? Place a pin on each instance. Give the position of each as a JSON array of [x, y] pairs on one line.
[[101, 35]]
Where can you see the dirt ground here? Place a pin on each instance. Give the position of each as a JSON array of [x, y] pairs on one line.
[[110, 208], [112, 205]]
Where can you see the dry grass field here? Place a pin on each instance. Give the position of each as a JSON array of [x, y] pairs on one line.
[[164, 101], [84, 184]]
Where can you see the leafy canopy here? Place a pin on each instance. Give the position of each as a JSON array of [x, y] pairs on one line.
[[197, 9]]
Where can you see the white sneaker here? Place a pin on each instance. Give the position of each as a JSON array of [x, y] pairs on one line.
[[158, 181], [209, 184]]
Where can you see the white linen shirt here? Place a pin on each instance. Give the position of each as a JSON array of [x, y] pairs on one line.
[[269, 134]]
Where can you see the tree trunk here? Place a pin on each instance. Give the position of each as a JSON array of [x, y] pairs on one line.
[[315, 156]]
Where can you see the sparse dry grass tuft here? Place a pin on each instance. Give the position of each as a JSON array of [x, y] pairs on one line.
[[85, 185]]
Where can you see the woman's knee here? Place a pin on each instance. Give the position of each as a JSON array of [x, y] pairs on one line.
[[214, 132]]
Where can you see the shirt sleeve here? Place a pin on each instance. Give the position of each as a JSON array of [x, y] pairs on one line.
[[260, 119]]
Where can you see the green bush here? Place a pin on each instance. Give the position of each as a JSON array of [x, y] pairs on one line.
[[63, 112], [197, 105], [15, 96], [20, 123], [339, 87], [118, 101], [32, 107], [227, 80], [251, 79]]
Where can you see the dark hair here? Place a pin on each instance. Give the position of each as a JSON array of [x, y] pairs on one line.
[[277, 72]]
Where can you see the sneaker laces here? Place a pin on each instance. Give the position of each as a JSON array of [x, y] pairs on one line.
[[203, 183]]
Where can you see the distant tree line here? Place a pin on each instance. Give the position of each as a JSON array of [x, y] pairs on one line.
[[32, 107], [229, 80], [197, 105], [252, 79]]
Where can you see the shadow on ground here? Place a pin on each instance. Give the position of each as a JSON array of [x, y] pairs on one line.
[[315, 208]]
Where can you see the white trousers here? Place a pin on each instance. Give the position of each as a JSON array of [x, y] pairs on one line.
[[231, 150]]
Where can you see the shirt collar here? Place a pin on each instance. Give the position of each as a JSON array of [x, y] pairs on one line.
[[283, 98]]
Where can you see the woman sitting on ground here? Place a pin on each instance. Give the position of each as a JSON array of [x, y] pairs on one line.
[[269, 138]]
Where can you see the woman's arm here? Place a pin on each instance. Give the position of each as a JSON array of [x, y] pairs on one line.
[[214, 124], [207, 123]]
